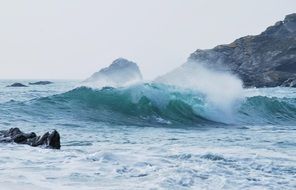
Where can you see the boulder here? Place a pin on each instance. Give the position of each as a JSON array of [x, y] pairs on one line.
[[49, 139]]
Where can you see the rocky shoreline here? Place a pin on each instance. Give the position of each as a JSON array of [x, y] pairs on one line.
[[48, 140], [264, 60]]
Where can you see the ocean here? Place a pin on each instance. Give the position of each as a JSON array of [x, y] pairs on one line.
[[149, 136]]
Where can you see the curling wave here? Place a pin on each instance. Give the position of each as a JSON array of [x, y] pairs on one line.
[[158, 104]]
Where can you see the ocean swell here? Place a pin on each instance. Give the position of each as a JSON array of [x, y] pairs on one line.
[[157, 104]]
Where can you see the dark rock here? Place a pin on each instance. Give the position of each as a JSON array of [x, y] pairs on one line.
[[54, 140], [264, 60], [40, 83], [17, 85], [121, 72], [49, 140]]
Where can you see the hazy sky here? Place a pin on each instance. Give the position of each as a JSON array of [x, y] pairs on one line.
[[74, 38]]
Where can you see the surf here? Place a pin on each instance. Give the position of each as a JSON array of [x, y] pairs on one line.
[[156, 104]]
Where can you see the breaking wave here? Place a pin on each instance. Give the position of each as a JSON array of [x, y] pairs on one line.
[[158, 104]]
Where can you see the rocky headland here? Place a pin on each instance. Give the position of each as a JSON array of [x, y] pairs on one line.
[[264, 60]]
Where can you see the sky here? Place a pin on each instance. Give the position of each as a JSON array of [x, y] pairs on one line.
[[71, 39]]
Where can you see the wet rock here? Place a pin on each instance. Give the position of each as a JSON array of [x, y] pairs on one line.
[[49, 140], [17, 85], [40, 83]]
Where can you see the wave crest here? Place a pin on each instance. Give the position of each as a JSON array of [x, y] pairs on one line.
[[158, 104]]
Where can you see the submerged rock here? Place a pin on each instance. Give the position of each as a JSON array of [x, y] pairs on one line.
[[40, 83], [264, 60], [107, 88], [49, 140], [121, 72], [17, 85]]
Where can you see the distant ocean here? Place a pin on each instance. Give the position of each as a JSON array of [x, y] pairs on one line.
[[149, 136]]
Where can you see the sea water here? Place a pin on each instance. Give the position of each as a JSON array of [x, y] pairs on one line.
[[149, 136]]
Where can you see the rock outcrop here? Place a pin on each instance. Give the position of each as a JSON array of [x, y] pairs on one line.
[[120, 73], [40, 83], [17, 85], [48, 140], [264, 60]]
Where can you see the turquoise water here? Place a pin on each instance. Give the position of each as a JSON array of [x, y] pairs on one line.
[[149, 136]]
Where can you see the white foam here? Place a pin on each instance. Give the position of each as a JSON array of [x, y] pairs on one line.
[[222, 89]]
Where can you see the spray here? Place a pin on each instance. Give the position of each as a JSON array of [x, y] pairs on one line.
[[221, 89]]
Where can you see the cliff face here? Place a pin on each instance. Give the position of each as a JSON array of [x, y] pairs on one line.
[[264, 60]]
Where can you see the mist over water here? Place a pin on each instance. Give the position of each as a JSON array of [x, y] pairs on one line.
[[191, 94], [222, 90]]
